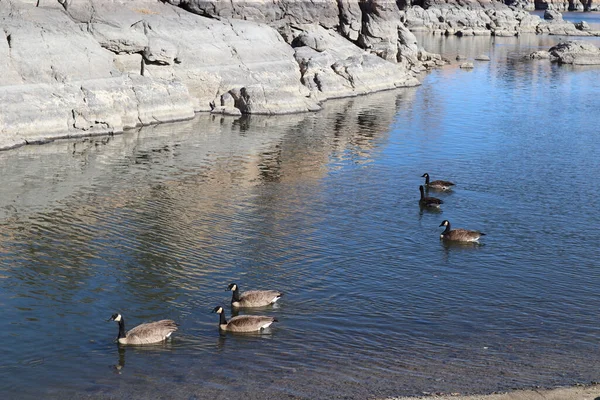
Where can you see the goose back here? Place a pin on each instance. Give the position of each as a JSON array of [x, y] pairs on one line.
[[247, 323], [256, 298], [151, 332]]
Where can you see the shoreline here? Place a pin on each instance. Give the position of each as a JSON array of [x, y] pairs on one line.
[[579, 392], [80, 69]]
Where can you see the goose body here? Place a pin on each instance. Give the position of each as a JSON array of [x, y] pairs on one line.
[[439, 184], [243, 323], [148, 333], [459, 235], [252, 298], [432, 202]]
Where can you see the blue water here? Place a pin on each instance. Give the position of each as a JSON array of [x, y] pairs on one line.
[[155, 223]]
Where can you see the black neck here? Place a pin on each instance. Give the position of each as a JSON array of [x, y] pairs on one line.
[[236, 295], [422, 192], [427, 179], [121, 328], [447, 228], [222, 320]]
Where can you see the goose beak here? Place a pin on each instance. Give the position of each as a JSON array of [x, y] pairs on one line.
[[110, 319], [442, 224]]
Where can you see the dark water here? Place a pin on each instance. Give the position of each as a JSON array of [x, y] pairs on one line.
[[155, 224]]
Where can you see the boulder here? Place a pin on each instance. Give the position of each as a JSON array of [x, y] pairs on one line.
[[575, 52], [482, 57], [467, 65], [553, 15]]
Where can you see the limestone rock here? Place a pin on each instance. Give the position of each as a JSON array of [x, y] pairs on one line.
[[482, 57], [467, 65]]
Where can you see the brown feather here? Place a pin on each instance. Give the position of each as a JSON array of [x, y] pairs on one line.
[[462, 235], [151, 332], [256, 298], [247, 323]]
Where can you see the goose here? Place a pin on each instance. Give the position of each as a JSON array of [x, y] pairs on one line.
[[440, 185], [429, 201], [252, 298], [459, 235], [243, 323], [151, 332]]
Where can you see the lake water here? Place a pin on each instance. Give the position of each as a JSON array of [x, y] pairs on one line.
[[155, 223]]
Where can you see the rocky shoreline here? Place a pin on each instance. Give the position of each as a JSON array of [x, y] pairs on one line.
[[80, 68], [591, 392]]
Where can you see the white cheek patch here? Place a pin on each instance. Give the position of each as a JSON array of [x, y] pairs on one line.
[[118, 318]]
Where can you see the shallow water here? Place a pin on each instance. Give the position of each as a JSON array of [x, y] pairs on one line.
[[155, 223]]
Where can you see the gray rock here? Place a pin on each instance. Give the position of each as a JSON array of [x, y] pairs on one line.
[[160, 51], [538, 55], [38, 113], [467, 65], [553, 15], [482, 57], [92, 66], [582, 26], [344, 70], [575, 52]]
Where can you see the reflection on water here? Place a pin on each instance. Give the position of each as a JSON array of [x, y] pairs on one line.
[[156, 222]]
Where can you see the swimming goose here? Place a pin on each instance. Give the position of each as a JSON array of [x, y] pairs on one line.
[[252, 298], [459, 235], [429, 201], [243, 323], [440, 185], [151, 332]]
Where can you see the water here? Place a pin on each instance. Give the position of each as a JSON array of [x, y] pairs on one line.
[[592, 17], [155, 223]]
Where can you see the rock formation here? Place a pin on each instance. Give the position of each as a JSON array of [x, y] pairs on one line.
[[84, 67], [571, 52]]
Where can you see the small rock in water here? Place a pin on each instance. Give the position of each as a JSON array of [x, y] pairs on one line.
[[467, 65], [460, 57], [482, 57]]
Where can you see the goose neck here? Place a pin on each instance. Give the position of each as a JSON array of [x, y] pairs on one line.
[[121, 328], [235, 296], [222, 319], [447, 228]]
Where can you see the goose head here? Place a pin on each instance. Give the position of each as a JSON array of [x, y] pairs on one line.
[[218, 310], [445, 223], [115, 317], [232, 286], [425, 175]]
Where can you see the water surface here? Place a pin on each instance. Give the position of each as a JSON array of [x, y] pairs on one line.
[[155, 223]]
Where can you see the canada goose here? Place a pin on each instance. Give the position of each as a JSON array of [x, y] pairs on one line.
[[429, 201], [459, 235], [151, 332], [252, 298], [243, 323], [440, 185]]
